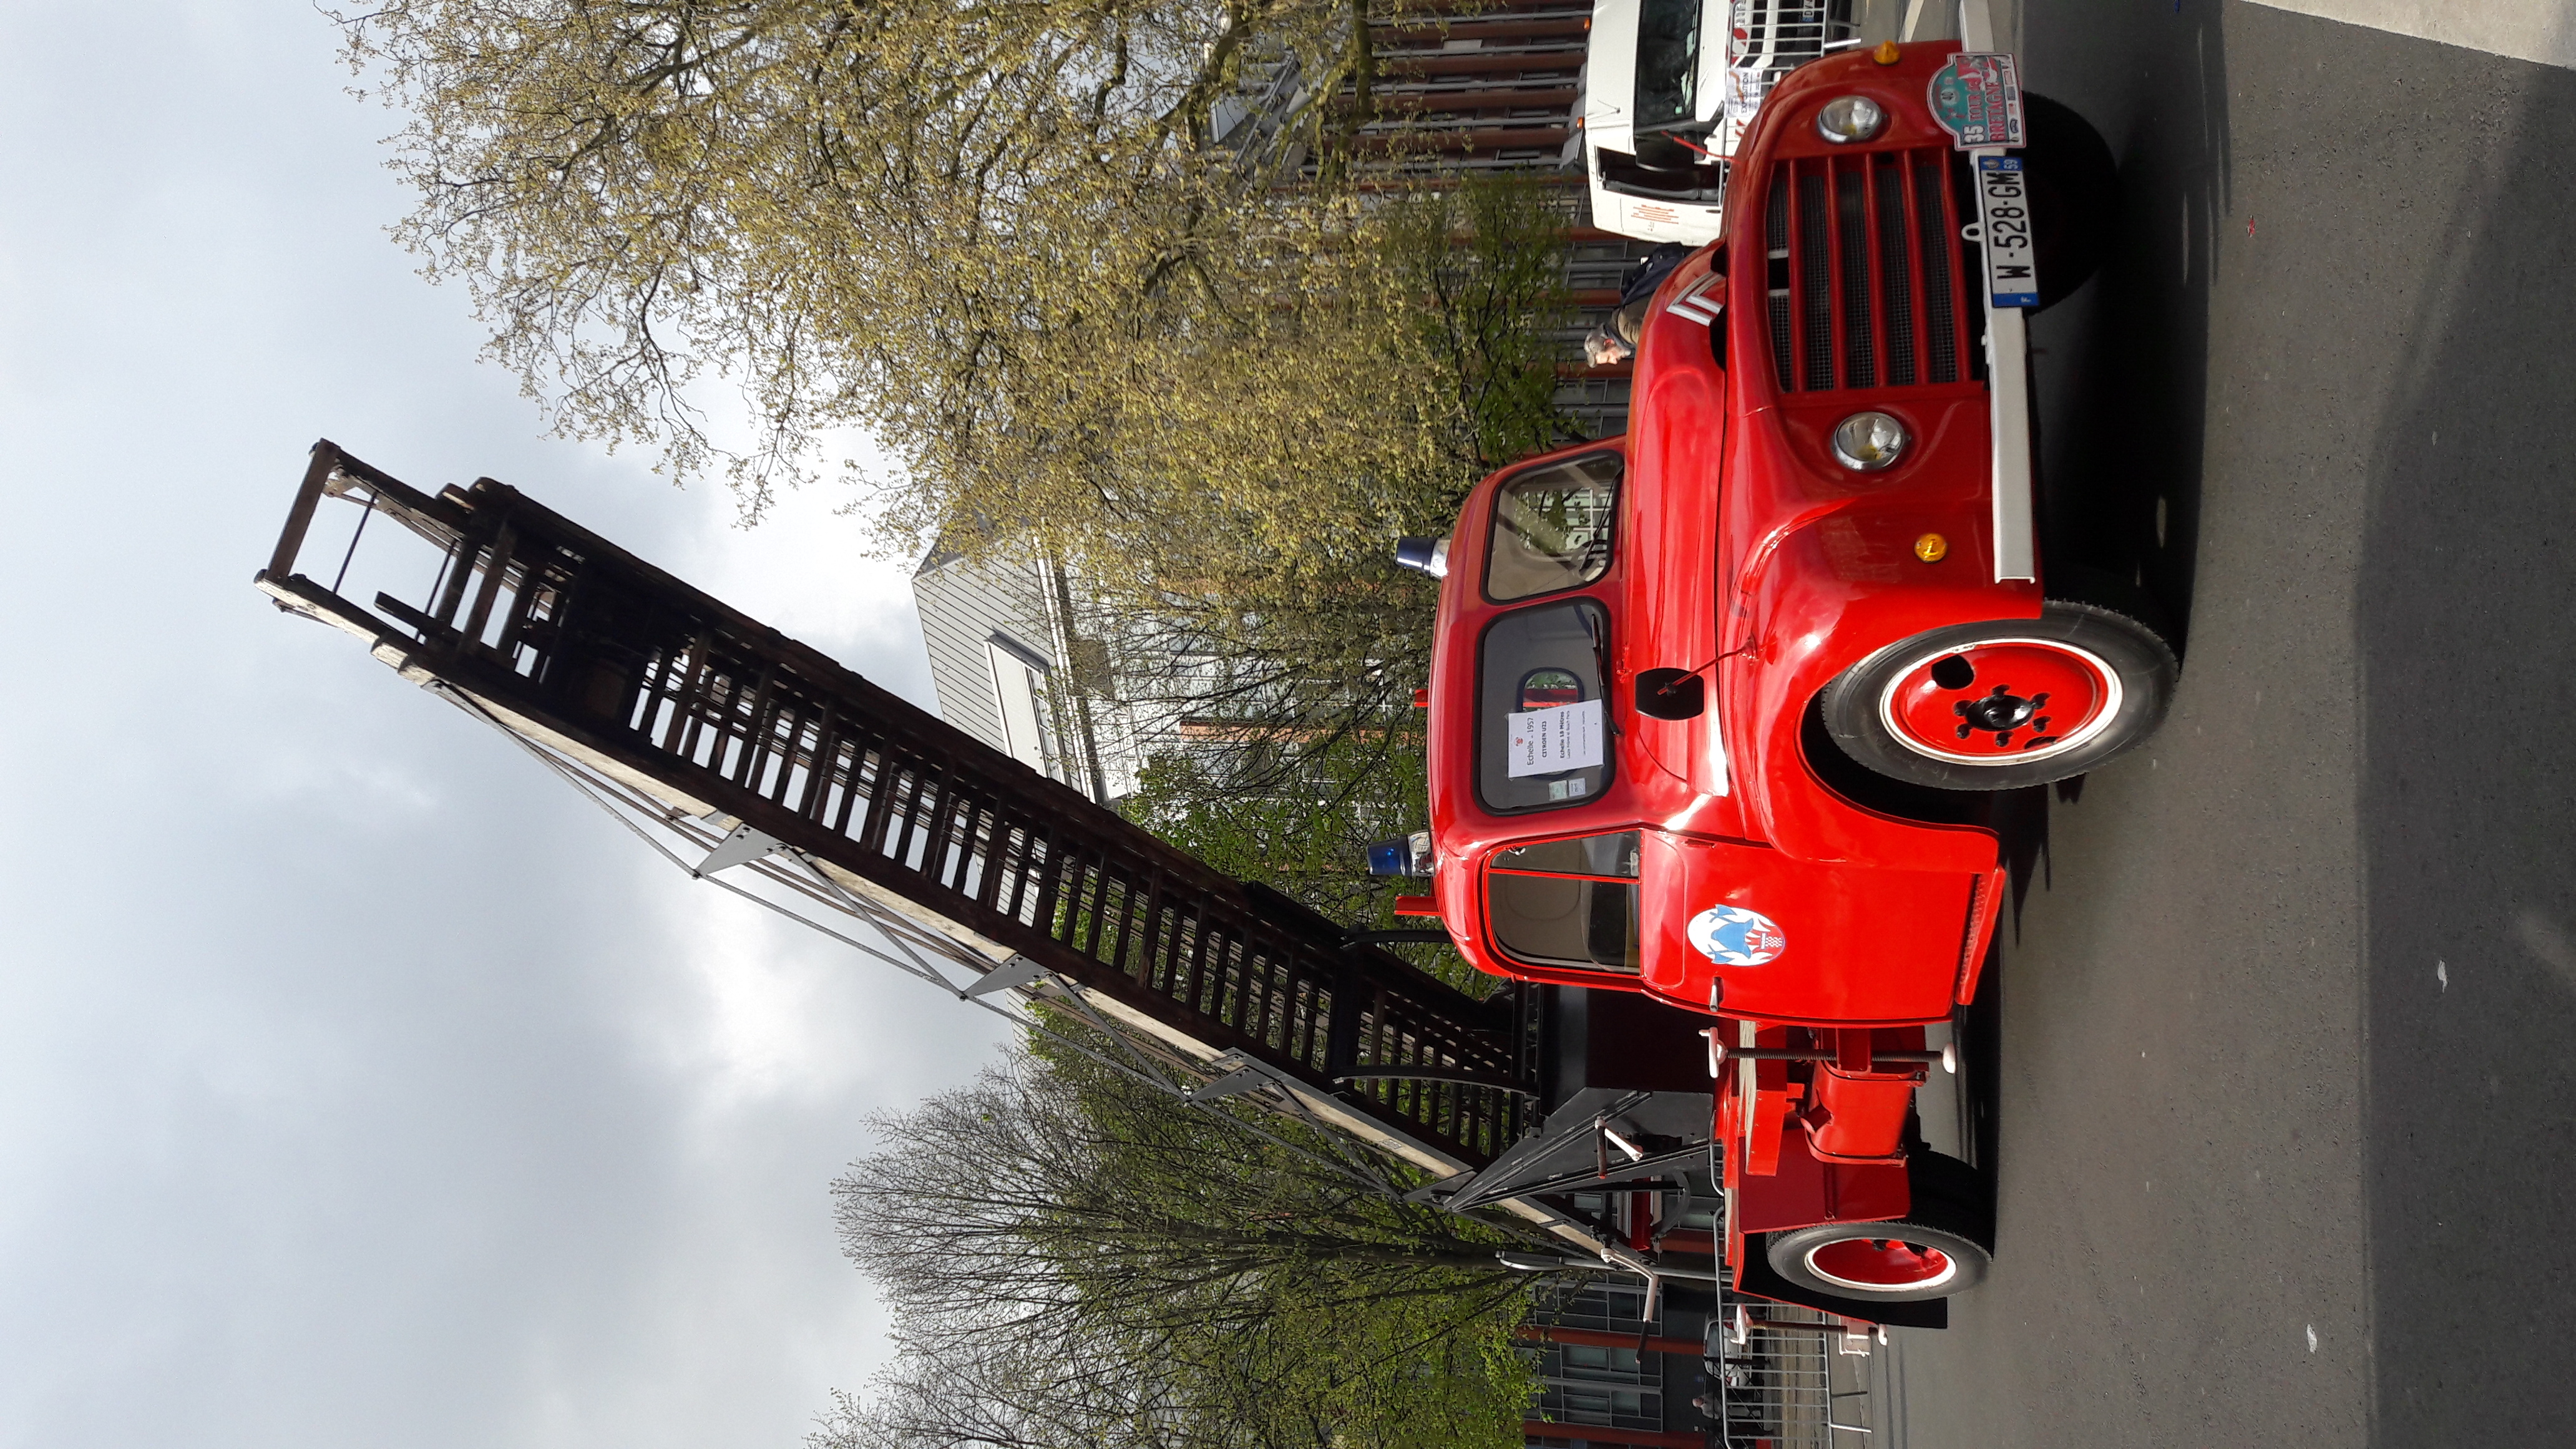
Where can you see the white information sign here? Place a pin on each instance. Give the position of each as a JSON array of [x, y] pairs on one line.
[[1553, 741]]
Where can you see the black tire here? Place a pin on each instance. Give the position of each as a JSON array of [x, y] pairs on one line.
[[1918, 1258], [2075, 197], [1953, 1193], [2123, 661], [2104, 589]]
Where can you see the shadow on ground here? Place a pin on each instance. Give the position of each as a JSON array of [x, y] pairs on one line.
[[2466, 635], [2123, 369], [2290, 1059]]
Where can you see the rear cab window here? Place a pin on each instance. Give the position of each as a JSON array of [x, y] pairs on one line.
[[1542, 725], [1569, 903]]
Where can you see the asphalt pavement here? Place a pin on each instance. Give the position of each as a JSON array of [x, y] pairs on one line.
[[2279, 1080]]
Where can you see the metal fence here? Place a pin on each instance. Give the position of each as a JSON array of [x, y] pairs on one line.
[[1790, 1378], [1603, 1387]]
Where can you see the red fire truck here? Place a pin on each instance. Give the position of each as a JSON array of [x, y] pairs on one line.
[[1706, 699]]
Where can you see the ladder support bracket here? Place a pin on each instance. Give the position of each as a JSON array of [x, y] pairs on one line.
[[743, 845], [1018, 971]]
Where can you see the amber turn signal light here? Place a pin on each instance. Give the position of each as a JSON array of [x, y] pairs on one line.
[[1931, 548], [1886, 54]]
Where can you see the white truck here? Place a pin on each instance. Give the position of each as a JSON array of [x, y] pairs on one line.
[[1668, 86]]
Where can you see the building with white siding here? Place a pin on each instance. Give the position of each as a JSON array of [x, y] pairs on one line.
[[1012, 668]]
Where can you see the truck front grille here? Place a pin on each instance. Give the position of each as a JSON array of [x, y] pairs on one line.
[[1865, 272]]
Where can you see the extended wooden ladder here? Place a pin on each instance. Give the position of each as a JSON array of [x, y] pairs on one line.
[[661, 696]]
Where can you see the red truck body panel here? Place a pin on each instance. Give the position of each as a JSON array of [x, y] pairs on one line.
[[1744, 551]]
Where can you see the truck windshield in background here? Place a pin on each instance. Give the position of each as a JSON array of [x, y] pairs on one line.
[[1667, 62], [1679, 176], [1667, 100]]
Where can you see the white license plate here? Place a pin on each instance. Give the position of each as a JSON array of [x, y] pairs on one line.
[[2003, 215]]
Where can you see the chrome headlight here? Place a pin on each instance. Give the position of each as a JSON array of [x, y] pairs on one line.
[[1869, 442], [1850, 118]]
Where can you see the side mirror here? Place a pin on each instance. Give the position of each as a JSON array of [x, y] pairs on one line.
[[1671, 693]]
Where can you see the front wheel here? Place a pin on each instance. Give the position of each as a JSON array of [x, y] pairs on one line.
[[2004, 704], [1885, 1262]]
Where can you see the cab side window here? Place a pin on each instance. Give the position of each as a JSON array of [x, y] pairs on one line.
[[1567, 903], [1552, 528]]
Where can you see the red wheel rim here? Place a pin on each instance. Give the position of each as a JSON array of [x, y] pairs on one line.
[[2000, 701], [1881, 1263]]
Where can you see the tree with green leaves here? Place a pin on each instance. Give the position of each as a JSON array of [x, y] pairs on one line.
[[1293, 665], [1003, 237], [1212, 377], [1215, 378]]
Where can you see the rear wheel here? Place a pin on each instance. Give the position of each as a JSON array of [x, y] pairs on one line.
[[1954, 1192], [2001, 705], [1906, 1261]]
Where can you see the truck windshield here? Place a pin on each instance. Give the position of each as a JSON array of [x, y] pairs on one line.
[[1552, 528], [1567, 902], [1541, 722], [1667, 62]]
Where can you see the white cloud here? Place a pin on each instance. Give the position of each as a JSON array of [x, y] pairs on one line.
[[774, 1012], [806, 570], [358, 1083]]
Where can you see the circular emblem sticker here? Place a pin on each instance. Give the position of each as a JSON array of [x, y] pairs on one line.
[[1734, 936]]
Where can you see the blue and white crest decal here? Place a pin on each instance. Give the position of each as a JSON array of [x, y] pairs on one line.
[[1734, 936]]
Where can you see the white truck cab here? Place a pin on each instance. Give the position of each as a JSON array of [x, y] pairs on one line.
[[1668, 86]]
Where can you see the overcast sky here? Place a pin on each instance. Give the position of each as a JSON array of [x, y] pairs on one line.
[[359, 1084]]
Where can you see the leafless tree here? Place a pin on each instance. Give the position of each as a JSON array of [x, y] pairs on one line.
[[1075, 1258]]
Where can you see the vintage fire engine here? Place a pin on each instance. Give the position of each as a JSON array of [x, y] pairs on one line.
[[1707, 698]]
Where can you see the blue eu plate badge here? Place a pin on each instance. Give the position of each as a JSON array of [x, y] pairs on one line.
[[1734, 936]]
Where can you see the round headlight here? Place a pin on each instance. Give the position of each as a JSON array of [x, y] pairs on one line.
[[1869, 442], [1850, 118]]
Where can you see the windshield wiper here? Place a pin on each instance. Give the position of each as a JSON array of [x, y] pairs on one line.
[[1600, 661]]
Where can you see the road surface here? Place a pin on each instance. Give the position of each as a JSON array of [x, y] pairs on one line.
[[2283, 1097]]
